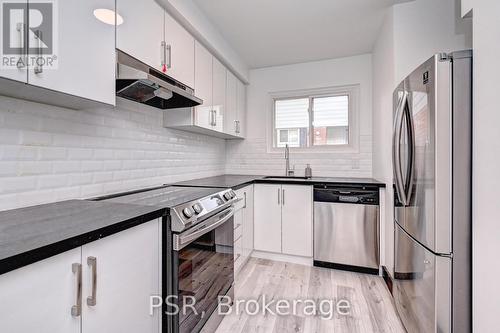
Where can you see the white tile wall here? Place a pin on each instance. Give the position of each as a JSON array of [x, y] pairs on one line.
[[251, 157], [49, 153]]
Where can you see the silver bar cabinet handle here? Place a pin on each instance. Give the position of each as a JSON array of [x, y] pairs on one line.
[[169, 50], [21, 63], [163, 56], [283, 197], [279, 194], [245, 194], [76, 310], [92, 262], [39, 61]]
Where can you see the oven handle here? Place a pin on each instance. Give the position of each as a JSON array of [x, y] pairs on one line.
[[181, 240]]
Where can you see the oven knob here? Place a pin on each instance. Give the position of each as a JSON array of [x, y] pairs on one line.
[[228, 196], [197, 208], [233, 194], [188, 212]]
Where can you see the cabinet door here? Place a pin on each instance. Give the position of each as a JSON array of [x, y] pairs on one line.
[[17, 66], [241, 108], [248, 221], [180, 60], [142, 32], [85, 65], [231, 117], [297, 217], [39, 297], [267, 223], [127, 274], [203, 85], [219, 94]]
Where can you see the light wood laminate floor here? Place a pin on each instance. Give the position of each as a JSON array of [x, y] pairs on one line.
[[371, 305]]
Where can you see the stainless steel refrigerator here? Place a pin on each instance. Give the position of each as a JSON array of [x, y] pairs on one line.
[[432, 181]]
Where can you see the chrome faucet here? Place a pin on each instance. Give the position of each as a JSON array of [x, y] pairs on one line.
[[288, 171]]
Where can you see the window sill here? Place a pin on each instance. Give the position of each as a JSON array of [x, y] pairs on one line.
[[344, 149]]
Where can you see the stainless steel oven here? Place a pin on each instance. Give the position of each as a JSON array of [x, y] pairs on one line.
[[200, 268]]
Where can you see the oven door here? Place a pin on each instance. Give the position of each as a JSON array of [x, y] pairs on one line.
[[203, 269]]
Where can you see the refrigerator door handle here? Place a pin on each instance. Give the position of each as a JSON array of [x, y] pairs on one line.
[[411, 164], [396, 153]]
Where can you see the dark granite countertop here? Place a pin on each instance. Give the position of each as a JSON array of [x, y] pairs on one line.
[[35, 233], [239, 181], [224, 181]]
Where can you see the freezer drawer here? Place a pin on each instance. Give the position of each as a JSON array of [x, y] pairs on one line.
[[346, 234], [422, 286]]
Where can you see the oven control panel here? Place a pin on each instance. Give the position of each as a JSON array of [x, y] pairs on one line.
[[190, 213]]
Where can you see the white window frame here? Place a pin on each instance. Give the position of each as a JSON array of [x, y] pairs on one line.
[[352, 91]]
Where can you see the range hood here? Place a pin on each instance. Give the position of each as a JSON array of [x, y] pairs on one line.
[[139, 82]]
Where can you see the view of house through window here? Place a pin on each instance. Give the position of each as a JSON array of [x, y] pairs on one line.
[[311, 121]]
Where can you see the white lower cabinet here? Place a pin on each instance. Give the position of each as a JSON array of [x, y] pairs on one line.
[[243, 227], [128, 273], [43, 297], [38, 298], [296, 220], [267, 224], [283, 219]]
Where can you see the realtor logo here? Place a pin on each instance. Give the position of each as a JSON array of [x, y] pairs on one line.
[[28, 34]]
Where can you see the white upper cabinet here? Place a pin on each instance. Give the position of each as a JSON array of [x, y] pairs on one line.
[[180, 52], [241, 106], [40, 297], [234, 122], [231, 119], [142, 32], [210, 86], [203, 86], [219, 94], [84, 46], [17, 69]]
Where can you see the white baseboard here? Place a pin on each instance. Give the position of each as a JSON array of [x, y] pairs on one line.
[[307, 261]]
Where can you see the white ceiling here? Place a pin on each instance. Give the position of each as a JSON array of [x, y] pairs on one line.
[[277, 32]]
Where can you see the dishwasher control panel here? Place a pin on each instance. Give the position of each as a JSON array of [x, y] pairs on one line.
[[365, 195]]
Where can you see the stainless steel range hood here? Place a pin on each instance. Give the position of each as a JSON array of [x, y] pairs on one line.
[[139, 82]]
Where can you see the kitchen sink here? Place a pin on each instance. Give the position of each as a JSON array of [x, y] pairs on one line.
[[285, 178]]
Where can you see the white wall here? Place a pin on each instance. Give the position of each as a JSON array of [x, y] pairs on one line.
[[252, 156], [49, 154], [383, 85], [425, 27], [411, 34], [486, 166]]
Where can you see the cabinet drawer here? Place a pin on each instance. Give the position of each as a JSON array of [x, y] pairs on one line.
[[238, 247], [238, 230]]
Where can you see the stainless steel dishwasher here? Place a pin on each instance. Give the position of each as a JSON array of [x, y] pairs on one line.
[[346, 228]]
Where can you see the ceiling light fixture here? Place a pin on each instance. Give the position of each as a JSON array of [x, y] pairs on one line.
[[108, 16]]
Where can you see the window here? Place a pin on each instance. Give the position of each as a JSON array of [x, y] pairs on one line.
[[322, 120]]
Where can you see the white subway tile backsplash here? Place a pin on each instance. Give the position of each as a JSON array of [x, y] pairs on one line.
[[17, 184], [9, 136], [251, 157], [50, 153], [32, 138]]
